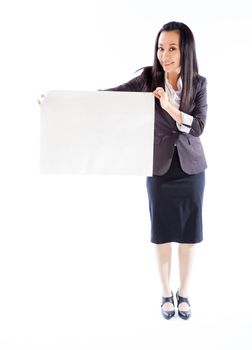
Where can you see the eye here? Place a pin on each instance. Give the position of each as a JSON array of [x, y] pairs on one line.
[[172, 48], [160, 48]]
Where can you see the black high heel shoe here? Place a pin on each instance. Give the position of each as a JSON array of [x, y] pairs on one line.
[[183, 314], [167, 314]]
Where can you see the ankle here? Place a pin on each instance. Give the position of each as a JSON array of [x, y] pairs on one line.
[[182, 292], [167, 293]]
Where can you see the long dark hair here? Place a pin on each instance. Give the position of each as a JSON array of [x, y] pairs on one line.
[[189, 65]]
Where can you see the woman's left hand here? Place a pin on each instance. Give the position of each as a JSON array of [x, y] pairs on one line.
[[163, 97], [41, 99]]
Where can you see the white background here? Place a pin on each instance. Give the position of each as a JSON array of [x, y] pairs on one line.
[[77, 270]]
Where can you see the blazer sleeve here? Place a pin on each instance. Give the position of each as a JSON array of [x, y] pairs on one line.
[[136, 85], [199, 113]]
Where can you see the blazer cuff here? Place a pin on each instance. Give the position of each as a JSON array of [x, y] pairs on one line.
[[187, 120], [183, 128]]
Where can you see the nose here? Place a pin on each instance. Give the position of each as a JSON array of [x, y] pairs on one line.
[[165, 55]]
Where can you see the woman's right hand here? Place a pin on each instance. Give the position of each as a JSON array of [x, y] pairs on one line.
[[162, 95], [41, 99]]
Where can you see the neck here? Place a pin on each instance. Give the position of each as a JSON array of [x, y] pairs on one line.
[[173, 78]]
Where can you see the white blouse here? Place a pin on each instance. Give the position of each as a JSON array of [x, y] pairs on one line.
[[174, 98]]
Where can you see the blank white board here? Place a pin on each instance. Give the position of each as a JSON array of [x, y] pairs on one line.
[[97, 132]]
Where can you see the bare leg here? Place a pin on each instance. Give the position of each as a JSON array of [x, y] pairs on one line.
[[164, 253], [186, 255]]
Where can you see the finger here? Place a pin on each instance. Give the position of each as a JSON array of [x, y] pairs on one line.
[[156, 94], [159, 92], [41, 99], [159, 89]]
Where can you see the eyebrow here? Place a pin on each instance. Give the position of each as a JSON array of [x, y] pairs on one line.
[[169, 44]]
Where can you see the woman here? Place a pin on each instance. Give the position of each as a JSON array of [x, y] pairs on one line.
[[175, 190]]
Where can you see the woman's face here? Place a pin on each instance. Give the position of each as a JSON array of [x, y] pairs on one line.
[[168, 52]]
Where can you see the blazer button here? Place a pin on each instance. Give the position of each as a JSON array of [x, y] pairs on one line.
[[174, 132]]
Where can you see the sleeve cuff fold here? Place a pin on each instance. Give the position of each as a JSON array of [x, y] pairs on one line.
[[187, 120]]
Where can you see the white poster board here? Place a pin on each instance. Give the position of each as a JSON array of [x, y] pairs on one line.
[[97, 132]]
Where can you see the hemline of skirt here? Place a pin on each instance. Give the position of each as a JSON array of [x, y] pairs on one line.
[[179, 242]]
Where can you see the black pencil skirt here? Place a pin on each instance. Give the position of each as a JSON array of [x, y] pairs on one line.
[[175, 204]]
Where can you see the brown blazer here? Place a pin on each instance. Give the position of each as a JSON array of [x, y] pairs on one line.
[[166, 133]]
